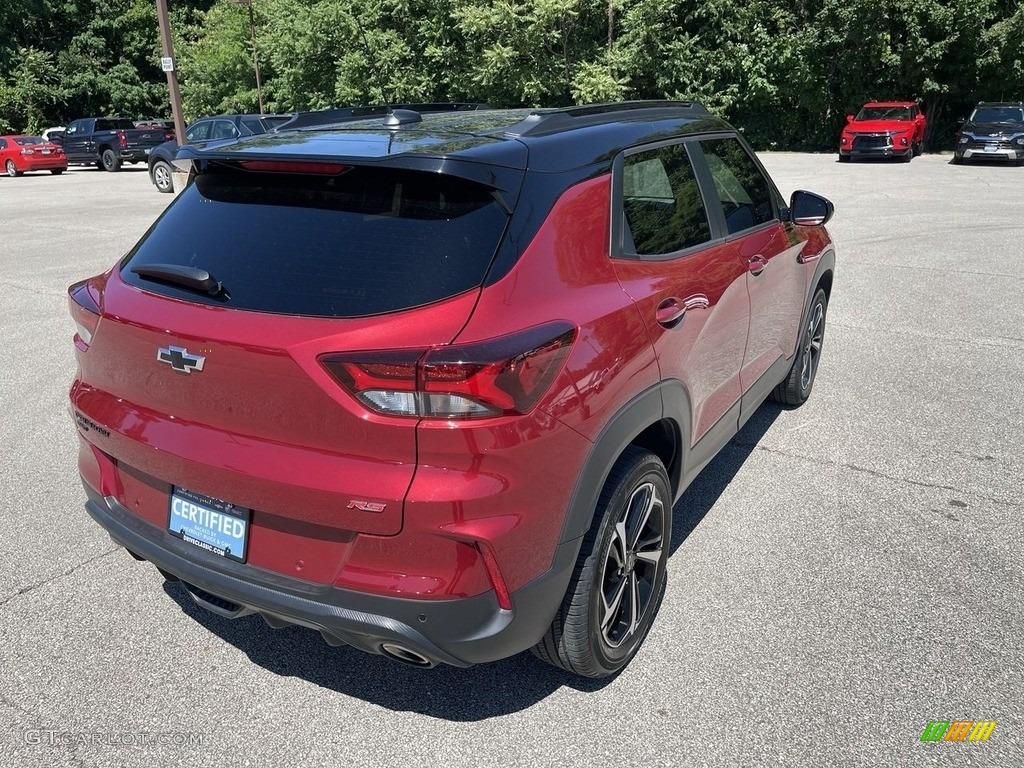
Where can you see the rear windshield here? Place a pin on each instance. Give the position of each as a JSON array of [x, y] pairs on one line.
[[114, 124], [365, 242], [27, 141]]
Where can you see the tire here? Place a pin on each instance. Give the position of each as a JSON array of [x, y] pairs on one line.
[[844, 158], [160, 175], [796, 387], [620, 576], [907, 157], [57, 171], [12, 169], [958, 160], [110, 161], [918, 149]]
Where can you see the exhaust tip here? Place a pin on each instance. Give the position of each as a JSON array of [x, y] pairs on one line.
[[400, 653]]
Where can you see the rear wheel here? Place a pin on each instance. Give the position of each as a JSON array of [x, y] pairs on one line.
[[620, 576], [109, 161], [844, 158], [796, 387], [12, 169], [160, 174]]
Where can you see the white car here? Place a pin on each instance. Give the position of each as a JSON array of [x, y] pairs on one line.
[[48, 133]]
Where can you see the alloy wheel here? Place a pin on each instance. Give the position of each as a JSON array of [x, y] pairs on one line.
[[630, 565], [812, 345]]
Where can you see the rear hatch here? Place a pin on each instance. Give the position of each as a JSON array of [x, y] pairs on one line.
[[308, 259]]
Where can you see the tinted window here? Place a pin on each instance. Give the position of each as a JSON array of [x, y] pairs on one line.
[[222, 129], [73, 128], [742, 189], [199, 132], [114, 125], [661, 202], [252, 125], [3, 143], [26, 141], [365, 242], [998, 115]]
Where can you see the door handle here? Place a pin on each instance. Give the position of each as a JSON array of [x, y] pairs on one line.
[[757, 264], [670, 312], [697, 301]]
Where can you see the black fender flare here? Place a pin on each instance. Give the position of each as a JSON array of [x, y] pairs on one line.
[[665, 402]]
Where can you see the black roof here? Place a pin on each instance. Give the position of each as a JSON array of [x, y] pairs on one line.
[[545, 140]]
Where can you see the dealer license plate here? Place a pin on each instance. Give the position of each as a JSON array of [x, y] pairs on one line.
[[210, 524]]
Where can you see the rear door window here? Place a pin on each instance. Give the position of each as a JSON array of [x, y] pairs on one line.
[[663, 211], [363, 242]]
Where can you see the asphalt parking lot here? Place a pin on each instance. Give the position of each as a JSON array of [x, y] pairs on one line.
[[842, 574]]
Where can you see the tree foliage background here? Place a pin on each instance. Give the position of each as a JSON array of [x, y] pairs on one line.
[[785, 71]]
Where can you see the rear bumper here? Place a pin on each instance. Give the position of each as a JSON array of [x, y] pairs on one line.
[[459, 632], [45, 163], [135, 155]]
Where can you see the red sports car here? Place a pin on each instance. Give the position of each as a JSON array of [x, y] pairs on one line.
[[883, 129], [19, 154]]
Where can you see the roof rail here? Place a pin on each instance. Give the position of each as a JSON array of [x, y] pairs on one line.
[[544, 121], [322, 117]]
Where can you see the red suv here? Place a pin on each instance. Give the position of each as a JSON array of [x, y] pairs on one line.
[[430, 384], [884, 129]]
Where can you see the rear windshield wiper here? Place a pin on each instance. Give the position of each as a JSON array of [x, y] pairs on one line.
[[187, 277]]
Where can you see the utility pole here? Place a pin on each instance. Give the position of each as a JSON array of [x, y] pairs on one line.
[[255, 61], [167, 63]]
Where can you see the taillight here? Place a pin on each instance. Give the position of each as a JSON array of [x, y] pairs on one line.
[[168, 135], [28, 151], [498, 377], [85, 311], [122, 140]]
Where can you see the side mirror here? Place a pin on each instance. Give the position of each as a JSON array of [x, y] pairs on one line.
[[807, 209], [849, 118]]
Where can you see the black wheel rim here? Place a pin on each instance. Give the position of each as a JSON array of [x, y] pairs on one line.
[[631, 566], [812, 346]]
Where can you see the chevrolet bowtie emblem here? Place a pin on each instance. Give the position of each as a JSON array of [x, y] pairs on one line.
[[180, 360]]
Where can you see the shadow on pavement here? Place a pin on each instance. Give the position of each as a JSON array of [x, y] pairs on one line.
[[704, 491], [448, 693]]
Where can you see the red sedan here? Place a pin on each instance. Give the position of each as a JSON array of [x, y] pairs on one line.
[[19, 154]]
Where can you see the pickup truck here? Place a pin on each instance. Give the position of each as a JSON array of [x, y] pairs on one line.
[[106, 142]]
